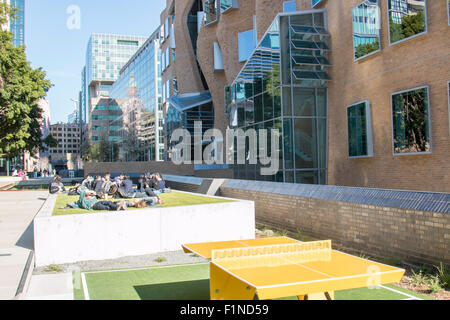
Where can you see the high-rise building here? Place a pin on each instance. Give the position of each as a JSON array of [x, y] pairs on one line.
[[66, 156], [17, 26], [138, 93], [374, 114], [105, 56]]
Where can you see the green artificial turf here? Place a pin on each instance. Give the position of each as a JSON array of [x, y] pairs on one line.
[[190, 282], [172, 199]]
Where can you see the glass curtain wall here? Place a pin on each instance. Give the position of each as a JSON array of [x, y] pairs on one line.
[[283, 86], [138, 94]]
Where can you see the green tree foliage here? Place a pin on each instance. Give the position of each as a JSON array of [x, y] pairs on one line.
[[50, 142], [22, 87], [366, 48], [6, 13], [410, 26]]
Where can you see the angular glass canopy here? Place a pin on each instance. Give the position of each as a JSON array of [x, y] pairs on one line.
[[188, 101]]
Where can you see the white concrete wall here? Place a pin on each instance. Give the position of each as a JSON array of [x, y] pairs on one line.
[[110, 235]]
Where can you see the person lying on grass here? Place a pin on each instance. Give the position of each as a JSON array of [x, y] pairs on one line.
[[88, 200]]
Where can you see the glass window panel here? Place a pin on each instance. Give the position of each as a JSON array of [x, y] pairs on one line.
[[287, 107], [322, 142], [246, 44], [268, 106], [259, 109], [240, 92], [305, 139], [248, 89], [307, 177], [277, 102], [226, 5], [284, 43], [322, 102], [289, 176], [315, 2], [241, 114], [249, 112], [411, 122], [304, 102], [210, 9], [357, 130], [366, 28], [407, 18], [289, 6], [269, 125]]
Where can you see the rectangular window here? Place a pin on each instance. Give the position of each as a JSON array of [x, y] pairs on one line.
[[246, 42], [366, 28], [359, 130], [448, 11], [99, 117], [407, 19], [210, 9], [315, 2], [226, 5], [411, 121], [128, 43], [289, 6]]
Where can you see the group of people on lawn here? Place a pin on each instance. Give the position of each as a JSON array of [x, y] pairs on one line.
[[94, 193]]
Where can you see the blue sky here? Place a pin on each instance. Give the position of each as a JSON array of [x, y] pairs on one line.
[[60, 51]]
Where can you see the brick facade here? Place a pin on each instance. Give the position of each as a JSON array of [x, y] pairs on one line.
[[415, 62]]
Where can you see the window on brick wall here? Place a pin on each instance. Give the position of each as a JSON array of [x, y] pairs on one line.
[[366, 28], [359, 130], [406, 19], [289, 6], [411, 121], [315, 2]]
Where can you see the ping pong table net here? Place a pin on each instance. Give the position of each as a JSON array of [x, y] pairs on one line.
[[273, 255]]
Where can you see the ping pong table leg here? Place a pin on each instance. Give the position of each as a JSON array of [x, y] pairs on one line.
[[317, 296], [224, 286]]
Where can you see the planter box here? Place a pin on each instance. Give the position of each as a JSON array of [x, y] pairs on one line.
[[110, 235]]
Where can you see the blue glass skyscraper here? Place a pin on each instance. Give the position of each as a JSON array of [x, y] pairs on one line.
[[17, 26]]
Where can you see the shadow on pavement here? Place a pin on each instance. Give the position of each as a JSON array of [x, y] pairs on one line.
[[26, 240]]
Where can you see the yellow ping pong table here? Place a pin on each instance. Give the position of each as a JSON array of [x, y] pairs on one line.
[[272, 268]]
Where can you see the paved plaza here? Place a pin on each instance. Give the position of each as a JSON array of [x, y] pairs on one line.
[[16, 236]]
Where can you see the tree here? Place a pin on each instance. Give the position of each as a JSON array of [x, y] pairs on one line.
[[366, 48], [22, 87], [50, 142]]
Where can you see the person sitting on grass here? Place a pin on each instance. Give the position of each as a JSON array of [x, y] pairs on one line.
[[87, 182], [107, 183], [56, 186], [118, 180], [88, 200], [126, 191], [142, 183]]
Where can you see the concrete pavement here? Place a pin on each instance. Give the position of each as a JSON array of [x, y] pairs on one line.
[[18, 209]]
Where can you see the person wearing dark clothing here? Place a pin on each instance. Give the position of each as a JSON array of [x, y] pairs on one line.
[[56, 186], [89, 201], [142, 183], [105, 206], [97, 186]]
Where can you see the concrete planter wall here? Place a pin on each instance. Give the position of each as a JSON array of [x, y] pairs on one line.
[[110, 235]]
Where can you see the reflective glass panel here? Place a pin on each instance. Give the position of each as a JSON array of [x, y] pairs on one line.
[[246, 44], [411, 121], [366, 28], [210, 9], [407, 18], [357, 130], [305, 139]]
